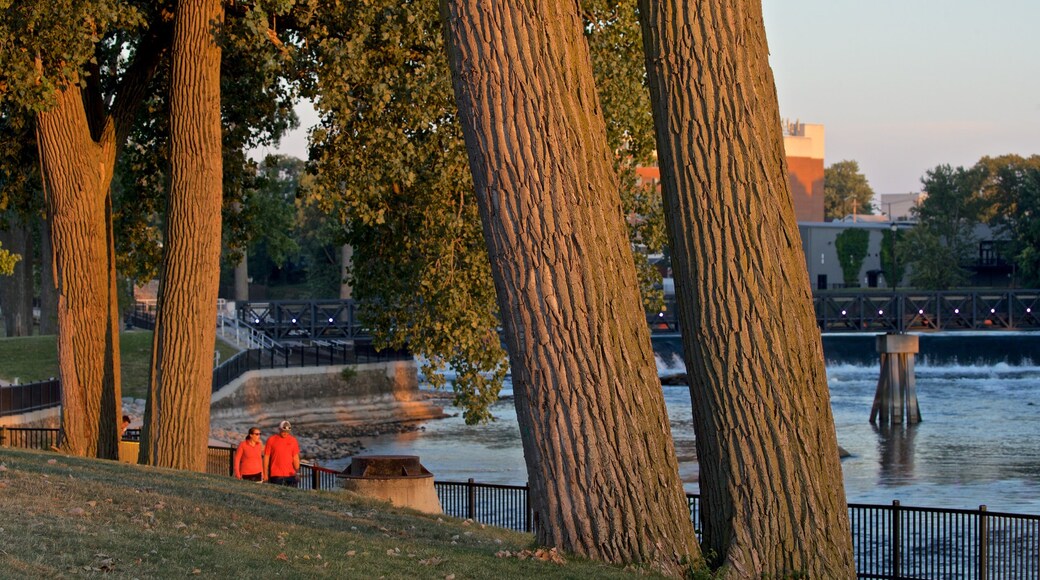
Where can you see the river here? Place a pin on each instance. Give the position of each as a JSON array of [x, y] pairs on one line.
[[978, 442]]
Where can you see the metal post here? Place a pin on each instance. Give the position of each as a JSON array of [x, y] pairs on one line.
[[897, 540], [527, 507], [471, 499], [983, 543]]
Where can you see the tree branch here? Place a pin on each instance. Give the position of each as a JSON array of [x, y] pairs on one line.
[[134, 86]]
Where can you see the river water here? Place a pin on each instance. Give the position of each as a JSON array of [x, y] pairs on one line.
[[978, 442]]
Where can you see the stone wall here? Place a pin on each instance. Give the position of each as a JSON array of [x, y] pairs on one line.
[[363, 398]]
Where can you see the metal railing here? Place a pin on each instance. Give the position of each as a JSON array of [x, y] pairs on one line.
[[889, 541], [505, 506], [906, 310], [299, 356], [18, 399]]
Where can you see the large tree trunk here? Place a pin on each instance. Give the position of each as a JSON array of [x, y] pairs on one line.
[[771, 482], [596, 437], [77, 165], [176, 428], [48, 295]]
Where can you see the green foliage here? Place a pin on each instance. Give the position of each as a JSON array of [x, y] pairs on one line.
[[934, 264], [1012, 184], [846, 191], [940, 248], [392, 172], [893, 263], [348, 374], [48, 44], [851, 246], [7, 261]]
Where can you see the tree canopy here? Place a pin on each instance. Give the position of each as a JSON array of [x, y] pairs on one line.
[[391, 169], [846, 191]]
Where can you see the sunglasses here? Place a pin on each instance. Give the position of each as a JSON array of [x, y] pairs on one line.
[[254, 433]]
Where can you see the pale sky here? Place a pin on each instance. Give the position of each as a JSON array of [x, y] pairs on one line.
[[900, 85], [904, 85]]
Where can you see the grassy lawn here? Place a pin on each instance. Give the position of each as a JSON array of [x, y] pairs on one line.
[[35, 358], [63, 516]]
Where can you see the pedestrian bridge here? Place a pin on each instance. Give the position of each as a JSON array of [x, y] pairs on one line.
[[836, 312]]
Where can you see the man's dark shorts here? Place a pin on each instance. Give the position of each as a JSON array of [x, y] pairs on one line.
[[289, 481]]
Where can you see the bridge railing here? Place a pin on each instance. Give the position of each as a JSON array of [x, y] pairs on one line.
[[907, 311]]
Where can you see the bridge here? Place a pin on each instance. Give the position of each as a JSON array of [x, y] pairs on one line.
[[836, 312]]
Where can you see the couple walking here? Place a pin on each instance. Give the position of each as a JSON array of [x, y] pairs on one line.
[[277, 461]]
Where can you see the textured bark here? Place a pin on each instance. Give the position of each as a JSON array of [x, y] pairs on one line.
[[596, 437], [78, 161], [176, 427], [48, 295], [771, 480]]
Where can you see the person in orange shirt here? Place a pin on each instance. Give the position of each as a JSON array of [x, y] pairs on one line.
[[282, 457], [250, 457]]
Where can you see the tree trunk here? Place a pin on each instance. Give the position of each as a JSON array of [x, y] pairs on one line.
[[176, 427], [16, 290], [242, 278], [48, 296], [596, 437], [77, 168], [771, 481]]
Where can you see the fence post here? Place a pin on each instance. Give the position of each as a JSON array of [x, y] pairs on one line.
[[231, 463], [471, 499], [527, 507], [315, 477], [983, 543], [897, 540], [3, 435]]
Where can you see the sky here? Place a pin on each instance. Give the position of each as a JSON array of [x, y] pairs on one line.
[[901, 86]]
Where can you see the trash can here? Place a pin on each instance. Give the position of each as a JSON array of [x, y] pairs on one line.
[[399, 479]]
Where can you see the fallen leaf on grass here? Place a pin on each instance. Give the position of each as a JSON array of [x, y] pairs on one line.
[[432, 561], [282, 557], [351, 553], [77, 511]]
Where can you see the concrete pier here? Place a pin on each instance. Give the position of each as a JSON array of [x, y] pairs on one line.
[[896, 397]]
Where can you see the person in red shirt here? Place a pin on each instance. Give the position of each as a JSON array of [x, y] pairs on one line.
[[282, 456], [249, 457]]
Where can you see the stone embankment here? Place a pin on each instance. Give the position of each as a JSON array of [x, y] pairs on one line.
[[330, 408]]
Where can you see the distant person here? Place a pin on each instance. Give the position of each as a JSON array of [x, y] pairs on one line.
[[125, 426], [282, 456], [249, 457]]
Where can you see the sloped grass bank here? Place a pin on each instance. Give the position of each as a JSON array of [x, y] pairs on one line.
[[63, 516], [35, 358]]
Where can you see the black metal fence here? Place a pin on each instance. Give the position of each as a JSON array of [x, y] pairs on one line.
[[18, 399], [28, 437], [907, 311], [298, 356], [506, 506]]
